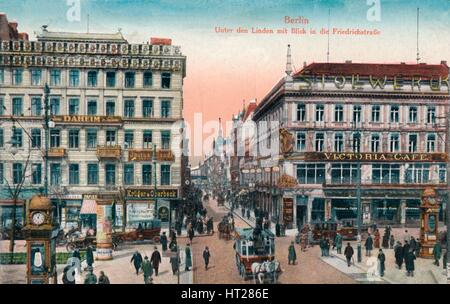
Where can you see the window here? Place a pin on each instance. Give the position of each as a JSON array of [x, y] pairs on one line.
[[129, 79], [165, 140], [431, 142], [92, 107], [311, 173], [36, 76], [319, 142], [91, 138], [165, 80], [55, 174], [36, 106], [110, 79], [394, 142], [344, 173], [74, 78], [128, 174], [431, 115], [110, 108], [2, 106], [376, 113], [2, 174], [17, 106], [17, 173], [375, 143], [129, 139], [92, 78], [92, 174], [55, 77], [148, 79], [338, 142], [442, 173], [2, 76], [128, 110], [412, 114], [417, 174], [110, 137], [17, 76], [55, 138], [74, 106], [395, 114], [147, 108], [165, 108], [356, 142], [147, 139], [338, 113], [54, 106], [74, 139], [301, 112], [74, 174], [165, 174], [412, 144], [36, 138], [17, 138], [357, 113], [110, 174], [36, 174], [2, 138], [301, 141], [386, 174], [319, 112], [146, 174]]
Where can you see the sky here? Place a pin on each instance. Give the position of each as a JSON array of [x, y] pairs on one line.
[[224, 69]]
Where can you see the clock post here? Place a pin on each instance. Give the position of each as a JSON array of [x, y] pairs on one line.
[[40, 234], [429, 212]]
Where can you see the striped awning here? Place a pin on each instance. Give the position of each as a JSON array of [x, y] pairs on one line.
[[89, 207]]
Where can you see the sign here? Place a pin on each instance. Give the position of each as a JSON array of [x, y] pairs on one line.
[[160, 41], [147, 155], [288, 210], [87, 119], [139, 212], [150, 193], [375, 157], [163, 214]]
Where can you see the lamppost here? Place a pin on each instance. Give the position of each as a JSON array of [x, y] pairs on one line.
[[357, 148], [155, 195], [46, 134]]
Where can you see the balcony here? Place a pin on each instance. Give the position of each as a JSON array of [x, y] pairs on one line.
[[57, 152], [109, 152]]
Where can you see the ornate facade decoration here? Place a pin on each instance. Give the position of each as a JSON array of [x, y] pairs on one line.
[[287, 181], [286, 141]]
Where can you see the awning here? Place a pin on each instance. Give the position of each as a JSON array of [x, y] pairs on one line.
[[89, 207]]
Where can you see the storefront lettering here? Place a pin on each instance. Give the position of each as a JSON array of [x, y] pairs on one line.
[[86, 119], [376, 157], [150, 193]]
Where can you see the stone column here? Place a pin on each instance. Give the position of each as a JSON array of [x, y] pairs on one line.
[[309, 209], [104, 229], [403, 212]]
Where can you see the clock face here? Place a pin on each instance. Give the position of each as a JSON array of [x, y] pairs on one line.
[[38, 218]]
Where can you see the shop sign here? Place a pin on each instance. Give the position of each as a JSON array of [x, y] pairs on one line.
[[150, 193], [375, 157], [139, 212], [288, 210], [87, 119]]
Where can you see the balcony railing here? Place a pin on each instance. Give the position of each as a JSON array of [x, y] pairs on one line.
[[113, 152], [57, 152]]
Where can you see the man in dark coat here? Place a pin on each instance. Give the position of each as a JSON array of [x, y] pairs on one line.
[[206, 257], [136, 259], [174, 259], [147, 270], [409, 263], [243, 212], [322, 245], [103, 279], [292, 255], [406, 248], [163, 240], [277, 229], [248, 214], [156, 260], [369, 245], [398, 252], [90, 278], [437, 251], [348, 252], [89, 256], [381, 260], [191, 234]]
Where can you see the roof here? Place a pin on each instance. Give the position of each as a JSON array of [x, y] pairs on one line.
[[425, 71], [250, 109], [247, 233], [46, 35]]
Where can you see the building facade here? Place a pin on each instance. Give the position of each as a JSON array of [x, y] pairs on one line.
[[387, 117], [111, 104]]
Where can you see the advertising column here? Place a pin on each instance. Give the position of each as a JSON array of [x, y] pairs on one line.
[[104, 229]]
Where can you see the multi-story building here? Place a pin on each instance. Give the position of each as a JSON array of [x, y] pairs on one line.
[[387, 117], [111, 104]]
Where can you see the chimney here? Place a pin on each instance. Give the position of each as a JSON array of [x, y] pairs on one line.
[[444, 62], [24, 36], [348, 61], [13, 24], [402, 63], [288, 61], [304, 64]]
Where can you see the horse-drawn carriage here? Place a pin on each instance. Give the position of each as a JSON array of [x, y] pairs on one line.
[[255, 255], [226, 227]]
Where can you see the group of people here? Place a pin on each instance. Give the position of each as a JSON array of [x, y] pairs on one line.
[[147, 266]]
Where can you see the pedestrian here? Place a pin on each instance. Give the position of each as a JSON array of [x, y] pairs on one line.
[[381, 260], [418, 247], [310, 237], [413, 245], [90, 278], [348, 252], [292, 255], [437, 251], [188, 263], [338, 243], [136, 259], [409, 263], [248, 214], [173, 235], [398, 253], [377, 239], [303, 241], [175, 259], [327, 247], [68, 278], [191, 235], [243, 212], [391, 241], [155, 260], [147, 269], [322, 245], [103, 279], [206, 257], [444, 258], [369, 245], [163, 240], [89, 256], [76, 255], [277, 229]]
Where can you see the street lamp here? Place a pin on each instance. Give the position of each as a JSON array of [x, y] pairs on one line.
[[357, 148], [155, 195], [46, 130]]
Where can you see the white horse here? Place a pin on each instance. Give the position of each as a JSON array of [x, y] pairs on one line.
[[259, 270]]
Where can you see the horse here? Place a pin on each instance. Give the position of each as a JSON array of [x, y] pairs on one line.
[[260, 270]]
